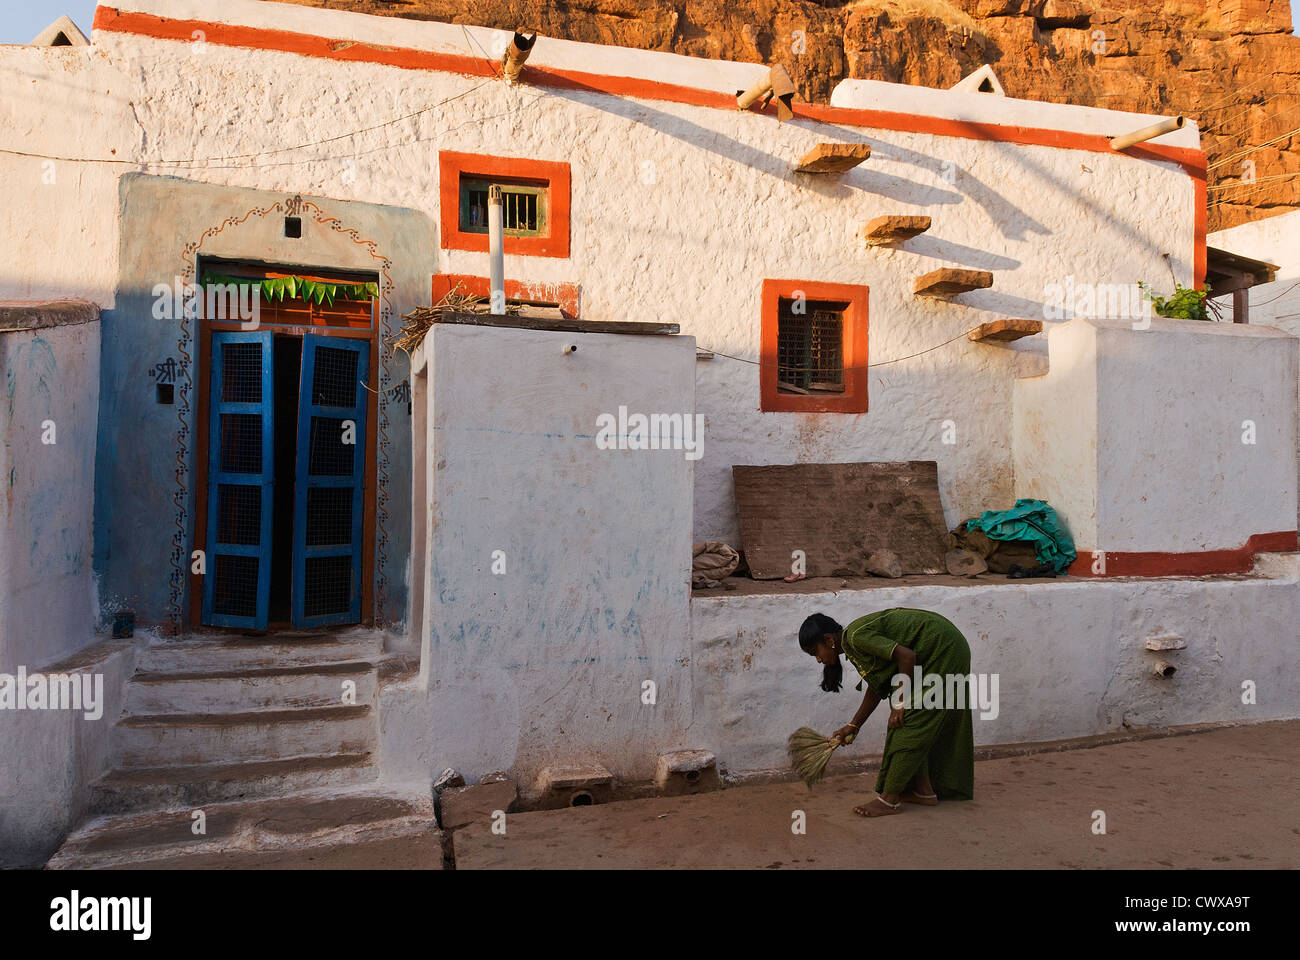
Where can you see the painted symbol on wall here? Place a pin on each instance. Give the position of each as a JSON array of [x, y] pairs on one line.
[[165, 371], [402, 394]]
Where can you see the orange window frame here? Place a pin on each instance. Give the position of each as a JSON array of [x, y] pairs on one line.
[[452, 166], [854, 397]]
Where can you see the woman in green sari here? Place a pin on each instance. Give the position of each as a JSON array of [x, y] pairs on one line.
[[930, 747]]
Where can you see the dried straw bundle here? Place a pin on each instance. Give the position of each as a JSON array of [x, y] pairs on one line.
[[810, 752], [417, 323]]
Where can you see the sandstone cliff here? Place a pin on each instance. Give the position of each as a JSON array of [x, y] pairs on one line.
[[1232, 65]]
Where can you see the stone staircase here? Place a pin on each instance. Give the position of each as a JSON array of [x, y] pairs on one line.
[[258, 735]]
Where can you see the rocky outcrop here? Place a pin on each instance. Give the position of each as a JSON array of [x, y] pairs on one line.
[[1232, 65]]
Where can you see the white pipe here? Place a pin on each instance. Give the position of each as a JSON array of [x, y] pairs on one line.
[[1148, 133], [496, 252]]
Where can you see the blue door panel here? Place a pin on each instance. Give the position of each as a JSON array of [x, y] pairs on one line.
[[329, 485], [241, 481]]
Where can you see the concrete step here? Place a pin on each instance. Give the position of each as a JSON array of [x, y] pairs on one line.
[[244, 689], [206, 654], [187, 786], [156, 740], [245, 832]]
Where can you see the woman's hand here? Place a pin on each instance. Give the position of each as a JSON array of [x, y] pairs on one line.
[[845, 734], [895, 718]]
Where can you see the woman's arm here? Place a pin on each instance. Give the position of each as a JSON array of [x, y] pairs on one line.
[[905, 657], [869, 701]]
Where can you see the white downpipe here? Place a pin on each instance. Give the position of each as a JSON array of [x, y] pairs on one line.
[[496, 251]]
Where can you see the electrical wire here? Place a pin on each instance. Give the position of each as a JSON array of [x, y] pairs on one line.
[[247, 156], [1237, 156], [1264, 303], [882, 363], [1250, 183]]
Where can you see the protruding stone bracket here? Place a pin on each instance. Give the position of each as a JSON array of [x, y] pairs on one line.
[[1007, 329], [950, 281], [833, 158], [893, 229]]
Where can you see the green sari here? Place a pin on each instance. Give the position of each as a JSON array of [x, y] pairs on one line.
[[938, 740]]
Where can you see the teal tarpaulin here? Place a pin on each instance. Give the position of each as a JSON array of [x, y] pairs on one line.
[[1031, 520]]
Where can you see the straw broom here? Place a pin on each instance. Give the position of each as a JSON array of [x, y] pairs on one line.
[[810, 752]]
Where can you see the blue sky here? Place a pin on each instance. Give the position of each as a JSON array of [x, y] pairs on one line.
[[22, 20]]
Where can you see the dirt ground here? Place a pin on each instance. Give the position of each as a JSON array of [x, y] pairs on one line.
[[1224, 799]]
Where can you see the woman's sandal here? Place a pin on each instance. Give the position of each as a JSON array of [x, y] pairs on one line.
[[924, 799], [878, 806]]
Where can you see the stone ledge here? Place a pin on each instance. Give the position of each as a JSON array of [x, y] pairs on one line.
[[42, 314]]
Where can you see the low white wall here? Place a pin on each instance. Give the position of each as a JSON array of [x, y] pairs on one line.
[[51, 390], [49, 364], [1274, 240], [1069, 656], [1180, 437], [545, 662], [48, 758], [1054, 419]]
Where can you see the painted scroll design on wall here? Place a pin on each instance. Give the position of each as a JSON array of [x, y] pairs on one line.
[[180, 556]]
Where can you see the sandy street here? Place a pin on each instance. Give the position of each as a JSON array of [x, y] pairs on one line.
[[1224, 799]]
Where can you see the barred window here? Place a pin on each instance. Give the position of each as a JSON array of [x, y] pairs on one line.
[[523, 207], [810, 347]]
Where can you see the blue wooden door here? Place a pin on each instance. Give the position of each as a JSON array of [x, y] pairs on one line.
[[329, 480], [241, 480]]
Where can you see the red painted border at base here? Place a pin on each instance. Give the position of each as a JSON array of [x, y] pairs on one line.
[[1199, 564], [564, 295]]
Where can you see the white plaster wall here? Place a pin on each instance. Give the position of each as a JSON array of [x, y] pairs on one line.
[[50, 375], [58, 216], [1055, 426], [1069, 656], [47, 590], [1275, 240], [1136, 435], [679, 212], [1173, 403], [48, 758], [1009, 111], [545, 662]]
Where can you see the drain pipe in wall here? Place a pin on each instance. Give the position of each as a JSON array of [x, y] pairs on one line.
[[1148, 133], [496, 252], [516, 55]]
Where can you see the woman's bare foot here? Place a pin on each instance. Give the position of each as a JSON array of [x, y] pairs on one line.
[[878, 807]]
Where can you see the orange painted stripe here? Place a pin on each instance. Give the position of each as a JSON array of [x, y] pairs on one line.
[[1198, 564], [144, 24], [307, 45], [259, 38]]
